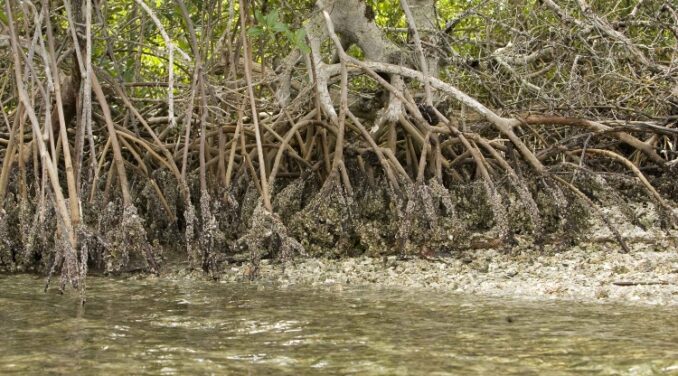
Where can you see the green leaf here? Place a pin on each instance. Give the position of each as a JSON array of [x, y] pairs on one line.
[[300, 34], [258, 16], [272, 18], [3, 17], [255, 31], [299, 40], [280, 27]]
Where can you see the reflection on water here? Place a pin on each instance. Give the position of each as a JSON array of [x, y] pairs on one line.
[[163, 327]]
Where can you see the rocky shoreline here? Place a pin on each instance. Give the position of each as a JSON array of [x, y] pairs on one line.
[[646, 277], [595, 270]]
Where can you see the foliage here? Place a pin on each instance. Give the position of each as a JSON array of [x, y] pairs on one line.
[[269, 25]]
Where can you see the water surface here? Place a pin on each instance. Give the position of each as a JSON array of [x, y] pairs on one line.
[[136, 327]]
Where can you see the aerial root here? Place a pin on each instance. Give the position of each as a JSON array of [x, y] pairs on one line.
[[596, 210], [669, 218]]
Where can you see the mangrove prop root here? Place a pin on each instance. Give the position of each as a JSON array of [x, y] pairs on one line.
[[276, 152]]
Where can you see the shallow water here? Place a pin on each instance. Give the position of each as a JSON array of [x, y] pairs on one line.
[[164, 327]]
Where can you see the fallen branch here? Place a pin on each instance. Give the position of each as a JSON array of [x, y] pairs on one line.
[[640, 283]]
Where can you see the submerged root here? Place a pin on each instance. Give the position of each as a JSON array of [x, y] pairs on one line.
[[529, 205], [133, 226], [211, 241], [268, 236], [592, 206], [126, 243], [6, 256], [193, 251], [66, 260], [434, 219], [294, 196], [25, 222], [419, 212], [499, 211], [325, 224], [376, 221], [227, 217], [162, 227], [39, 245]]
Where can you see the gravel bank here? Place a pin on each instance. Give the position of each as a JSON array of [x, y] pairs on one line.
[[591, 273]]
